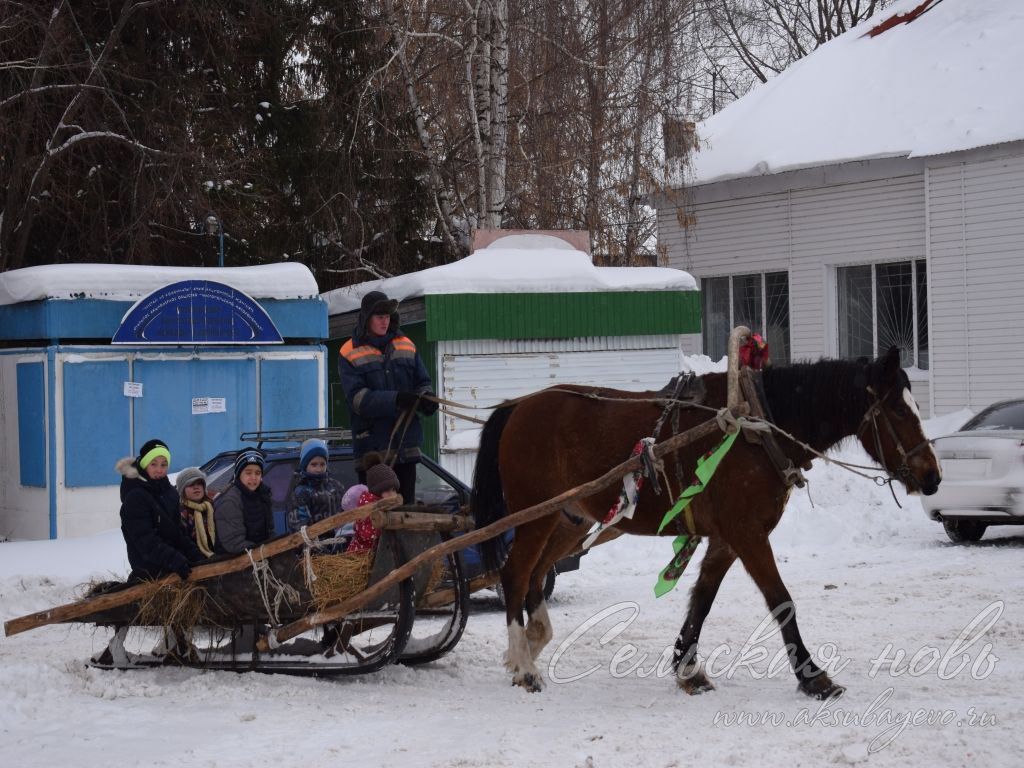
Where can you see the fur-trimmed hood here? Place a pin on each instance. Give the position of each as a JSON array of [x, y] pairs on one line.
[[127, 468]]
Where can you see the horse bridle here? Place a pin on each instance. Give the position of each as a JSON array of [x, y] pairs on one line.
[[876, 410]]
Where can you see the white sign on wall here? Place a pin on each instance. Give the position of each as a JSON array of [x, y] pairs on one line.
[[133, 389], [202, 405]]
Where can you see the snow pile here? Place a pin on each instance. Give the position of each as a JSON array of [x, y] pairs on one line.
[[115, 282], [938, 84], [516, 264]]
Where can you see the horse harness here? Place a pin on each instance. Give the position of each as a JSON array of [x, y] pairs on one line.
[[876, 410], [753, 392]]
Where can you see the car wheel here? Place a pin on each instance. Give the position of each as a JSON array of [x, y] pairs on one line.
[[963, 531]]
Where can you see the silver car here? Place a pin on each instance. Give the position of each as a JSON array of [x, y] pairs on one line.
[[982, 474]]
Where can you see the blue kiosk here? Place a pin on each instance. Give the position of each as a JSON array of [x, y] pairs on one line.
[[95, 359]]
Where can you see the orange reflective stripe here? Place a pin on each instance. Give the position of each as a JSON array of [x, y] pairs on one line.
[[356, 354], [404, 343]]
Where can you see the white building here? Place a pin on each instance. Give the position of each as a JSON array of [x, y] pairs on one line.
[[873, 194]]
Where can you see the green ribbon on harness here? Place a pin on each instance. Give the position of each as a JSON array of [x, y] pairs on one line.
[[685, 545]]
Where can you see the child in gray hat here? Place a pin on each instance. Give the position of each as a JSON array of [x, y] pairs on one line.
[[196, 509]]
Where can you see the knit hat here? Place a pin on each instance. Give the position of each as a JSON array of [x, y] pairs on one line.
[[351, 498], [150, 450], [250, 456], [188, 476], [310, 449], [379, 476]]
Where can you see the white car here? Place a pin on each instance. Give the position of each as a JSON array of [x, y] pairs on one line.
[[982, 474]]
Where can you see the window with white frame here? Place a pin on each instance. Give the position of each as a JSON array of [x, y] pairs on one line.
[[880, 305], [759, 301]]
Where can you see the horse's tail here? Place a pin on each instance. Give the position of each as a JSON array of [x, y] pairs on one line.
[[487, 501]]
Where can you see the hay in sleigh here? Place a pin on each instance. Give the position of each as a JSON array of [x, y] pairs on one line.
[[339, 577], [179, 607]]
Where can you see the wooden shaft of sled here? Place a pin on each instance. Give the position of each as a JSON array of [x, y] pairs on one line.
[[440, 597], [399, 520], [89, 605], [354, 603]]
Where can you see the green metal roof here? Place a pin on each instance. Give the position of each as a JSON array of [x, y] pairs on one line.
[[561, 315]]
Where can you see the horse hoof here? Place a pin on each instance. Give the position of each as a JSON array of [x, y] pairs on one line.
[[821, 688], [529, 681], [695, 685]]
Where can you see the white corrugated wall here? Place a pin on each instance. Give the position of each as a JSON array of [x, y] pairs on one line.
[[976, 255], [484, 373]]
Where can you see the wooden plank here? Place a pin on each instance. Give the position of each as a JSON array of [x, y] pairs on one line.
[[400, 520]]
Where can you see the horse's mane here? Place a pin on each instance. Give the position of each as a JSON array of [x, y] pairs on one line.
[[821, 403]]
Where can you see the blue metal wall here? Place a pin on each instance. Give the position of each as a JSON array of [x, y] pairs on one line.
[[32, 424], [97, 421], [289, 394]]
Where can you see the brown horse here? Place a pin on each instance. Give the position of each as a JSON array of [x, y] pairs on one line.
[[559, 438]]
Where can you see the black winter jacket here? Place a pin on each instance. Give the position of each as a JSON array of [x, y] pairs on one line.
[[244, 518], [156, 541]]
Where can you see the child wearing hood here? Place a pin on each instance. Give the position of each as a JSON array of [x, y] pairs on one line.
[[316, 494], [156, 542], [381, 483]]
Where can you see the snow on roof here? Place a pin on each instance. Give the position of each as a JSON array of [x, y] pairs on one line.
[[942, 82], [516, 264], [114, 282]]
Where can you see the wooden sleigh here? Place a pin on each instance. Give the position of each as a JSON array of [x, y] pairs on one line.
[[215, 618]]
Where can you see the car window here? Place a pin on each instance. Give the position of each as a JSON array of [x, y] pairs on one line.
[[1001, 416], [279, 477], [433, 490], [343, 470], [218, 481]]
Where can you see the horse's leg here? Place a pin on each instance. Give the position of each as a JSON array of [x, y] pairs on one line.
[[564, 539], [716, 563], [515, 581], [759, 560]]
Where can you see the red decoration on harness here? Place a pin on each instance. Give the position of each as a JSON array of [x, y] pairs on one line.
[[623, 500], [754, 354]]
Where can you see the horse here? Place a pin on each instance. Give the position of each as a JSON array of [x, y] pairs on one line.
[[537, 447]]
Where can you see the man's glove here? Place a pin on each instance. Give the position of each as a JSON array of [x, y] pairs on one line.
[[406, 400], [427, 407], [183, 569]]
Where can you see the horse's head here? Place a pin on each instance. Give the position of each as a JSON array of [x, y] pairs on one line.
[[891, 429]]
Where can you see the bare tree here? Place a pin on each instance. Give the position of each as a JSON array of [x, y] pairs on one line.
[[125, 123], [59, 103], [742, 42]]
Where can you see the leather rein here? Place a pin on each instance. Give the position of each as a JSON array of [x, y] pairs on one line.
[[877, 411]]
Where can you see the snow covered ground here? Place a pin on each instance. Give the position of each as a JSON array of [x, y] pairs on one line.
[[871, 582]]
